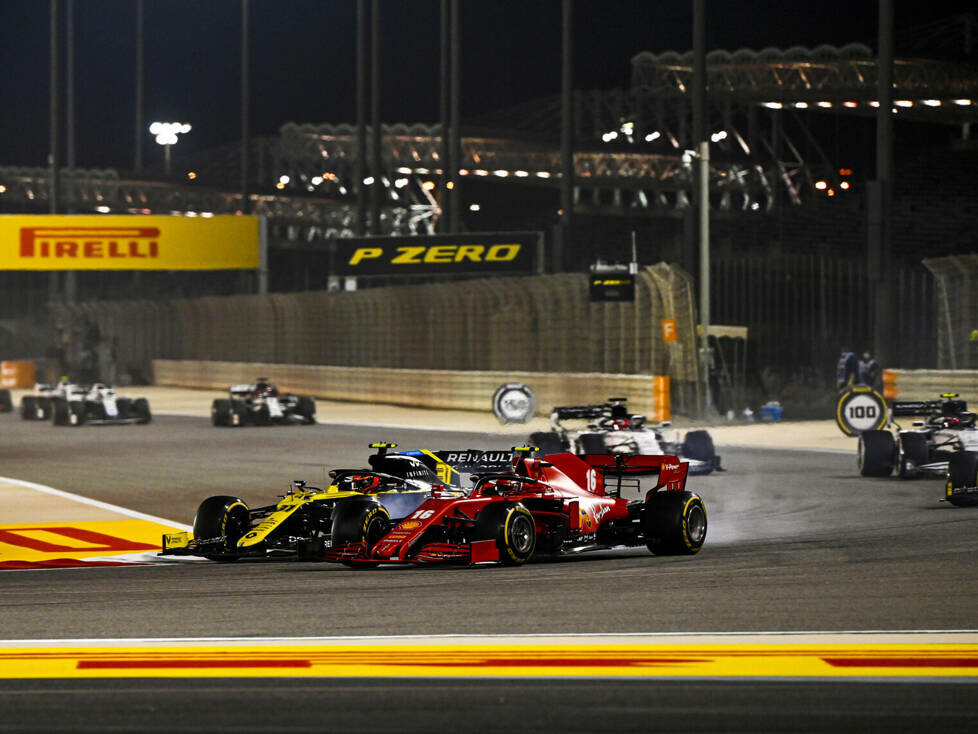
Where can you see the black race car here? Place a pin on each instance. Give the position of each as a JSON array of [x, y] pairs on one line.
[[610, 429], [945, 429], [261, 404]]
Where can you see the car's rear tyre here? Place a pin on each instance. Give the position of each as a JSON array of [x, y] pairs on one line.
[[512, 527], [76, 413], [675, 523], [548, 442], [222, 516], [962, 471], [140, 408], [591, 443], [6, 402], [699, 445], [359, 520], [877, 453], [913, 452], [28, 408], [221, 412], [43, 404], [239, 412], [59, 412], [306, 407]]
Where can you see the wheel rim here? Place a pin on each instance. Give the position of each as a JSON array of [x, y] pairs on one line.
[[696, 524], [521, 533]]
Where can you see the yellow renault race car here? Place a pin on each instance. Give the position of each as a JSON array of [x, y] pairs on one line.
[[305, 520]]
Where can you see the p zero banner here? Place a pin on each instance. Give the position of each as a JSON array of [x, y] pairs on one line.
[[493, 252], [92, 242]]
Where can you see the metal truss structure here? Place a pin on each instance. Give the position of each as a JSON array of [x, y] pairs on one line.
[[291, 218], [632, 146]]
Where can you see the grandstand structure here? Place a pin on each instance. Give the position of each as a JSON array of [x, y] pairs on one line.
[[631, 147]]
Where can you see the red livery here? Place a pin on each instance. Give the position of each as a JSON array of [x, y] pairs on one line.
[[559, 504]]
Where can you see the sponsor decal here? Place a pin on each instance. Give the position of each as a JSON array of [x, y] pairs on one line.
[[123, 242], [409, 525], [490, 252]]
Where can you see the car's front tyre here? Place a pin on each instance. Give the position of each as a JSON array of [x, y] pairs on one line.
[[222, 517]]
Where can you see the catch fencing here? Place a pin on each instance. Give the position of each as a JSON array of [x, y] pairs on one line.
[[957, 302], [537, 324], [800, 310]]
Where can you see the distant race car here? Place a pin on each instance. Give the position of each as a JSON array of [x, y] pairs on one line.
[[262, 404], [37, 406], [947, 431], [304, 521], [70, 404], [560, 503], [612, 429]]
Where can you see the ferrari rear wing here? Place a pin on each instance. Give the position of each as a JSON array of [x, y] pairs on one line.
[[671, 470]]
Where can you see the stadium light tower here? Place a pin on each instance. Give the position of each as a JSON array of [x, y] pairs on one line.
[[166, 135]]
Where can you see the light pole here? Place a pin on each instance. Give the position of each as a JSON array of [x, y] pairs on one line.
[[166, 135]]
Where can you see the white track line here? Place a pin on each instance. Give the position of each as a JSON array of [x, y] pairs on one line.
[[94, 503], [822, 634]]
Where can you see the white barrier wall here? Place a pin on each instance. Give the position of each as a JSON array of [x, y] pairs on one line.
[[459, 390], [929, 384]]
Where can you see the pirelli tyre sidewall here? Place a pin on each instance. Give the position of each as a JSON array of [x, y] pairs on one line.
[[876, 454], [675, 523], [860, 409], [225, 517], [961, 485], [513, 528], [359, 520]]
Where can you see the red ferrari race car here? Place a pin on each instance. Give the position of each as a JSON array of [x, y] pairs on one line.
[[561, 503]]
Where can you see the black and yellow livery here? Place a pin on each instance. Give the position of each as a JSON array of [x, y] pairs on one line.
[[306, 521]]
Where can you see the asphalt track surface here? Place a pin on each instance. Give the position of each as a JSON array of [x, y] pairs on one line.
[[797, 542]]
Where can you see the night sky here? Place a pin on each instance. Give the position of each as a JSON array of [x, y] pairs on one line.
[[303, 59]]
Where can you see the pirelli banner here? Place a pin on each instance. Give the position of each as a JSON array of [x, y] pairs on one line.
[[93, 242], [492, 252]]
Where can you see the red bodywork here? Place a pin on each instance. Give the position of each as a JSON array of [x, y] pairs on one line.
[[565, 493]]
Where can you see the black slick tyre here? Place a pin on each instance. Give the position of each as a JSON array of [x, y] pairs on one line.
[[59, 412], [239, 413], [548, 442], [306, 407], [512, 527], [76, 413], [591, 443], [912, 453], [124, 406], [221, 412], [699, 445], [359, 520], [6, 402], [962, 473], [43, 404], [28, 408], [222, 517], [877, 453], [675, 523], [140, 408]]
